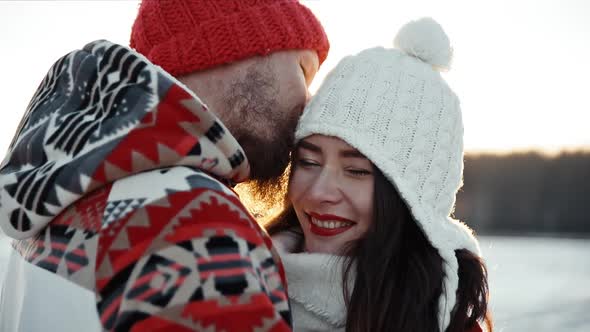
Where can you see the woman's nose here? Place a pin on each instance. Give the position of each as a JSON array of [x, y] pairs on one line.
[[325, 189]]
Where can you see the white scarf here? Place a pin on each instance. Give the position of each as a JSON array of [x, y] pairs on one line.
[[314, 285]]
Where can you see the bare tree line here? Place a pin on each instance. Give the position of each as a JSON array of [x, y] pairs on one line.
[[526, 193]]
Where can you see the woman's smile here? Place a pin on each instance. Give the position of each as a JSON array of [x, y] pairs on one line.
[[328, 224]]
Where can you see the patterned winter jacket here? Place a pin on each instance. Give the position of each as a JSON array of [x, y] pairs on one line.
[[115, 192]]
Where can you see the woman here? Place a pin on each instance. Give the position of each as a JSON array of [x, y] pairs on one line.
[[367, 241]]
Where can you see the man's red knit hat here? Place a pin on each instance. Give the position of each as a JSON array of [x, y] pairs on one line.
[[183, 36]]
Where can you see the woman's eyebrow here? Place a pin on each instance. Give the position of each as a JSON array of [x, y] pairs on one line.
[[309, 146], [352, 153], [348, 153]]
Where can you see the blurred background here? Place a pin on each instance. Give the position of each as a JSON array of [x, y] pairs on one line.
[[521, 71]]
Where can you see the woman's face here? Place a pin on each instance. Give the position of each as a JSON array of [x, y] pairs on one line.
[[331, 189]]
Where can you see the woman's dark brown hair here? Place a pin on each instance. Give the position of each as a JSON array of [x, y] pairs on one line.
[[399, 274]]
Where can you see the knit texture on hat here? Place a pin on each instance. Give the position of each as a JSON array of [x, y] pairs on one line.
[[395, 108], [183, 36]]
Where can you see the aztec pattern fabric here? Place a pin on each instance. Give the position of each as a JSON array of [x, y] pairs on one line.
[[94, 190], [99, 115]]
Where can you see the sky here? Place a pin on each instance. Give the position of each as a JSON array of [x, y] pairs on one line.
[[521, 68]]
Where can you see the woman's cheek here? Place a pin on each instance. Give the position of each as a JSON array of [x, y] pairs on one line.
[[296, 185]]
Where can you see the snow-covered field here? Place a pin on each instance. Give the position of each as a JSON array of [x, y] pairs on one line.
[[537, 284]]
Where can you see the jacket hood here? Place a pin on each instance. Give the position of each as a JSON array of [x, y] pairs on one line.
[[100, 114]]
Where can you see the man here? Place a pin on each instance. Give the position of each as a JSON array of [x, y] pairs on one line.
[[117, 186]]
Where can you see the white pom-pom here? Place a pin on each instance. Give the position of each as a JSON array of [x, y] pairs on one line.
[[426, 40]]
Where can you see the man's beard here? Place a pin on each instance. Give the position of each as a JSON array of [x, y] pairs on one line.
[[265, 130]]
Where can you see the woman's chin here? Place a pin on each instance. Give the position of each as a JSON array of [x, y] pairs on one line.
[[319, 246]]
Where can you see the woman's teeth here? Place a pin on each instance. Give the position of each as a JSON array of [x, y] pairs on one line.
[[330, 223]]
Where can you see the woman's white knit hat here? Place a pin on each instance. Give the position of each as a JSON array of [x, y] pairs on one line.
[[395, 108]]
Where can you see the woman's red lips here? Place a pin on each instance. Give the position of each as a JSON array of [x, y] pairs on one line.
[[328, 217], [323, 231]]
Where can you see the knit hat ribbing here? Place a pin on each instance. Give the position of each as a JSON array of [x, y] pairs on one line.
[[183, 36], [395, 108]]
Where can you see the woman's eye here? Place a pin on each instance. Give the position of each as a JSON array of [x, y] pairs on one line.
[[358, 172], [306, 163]]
